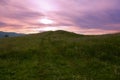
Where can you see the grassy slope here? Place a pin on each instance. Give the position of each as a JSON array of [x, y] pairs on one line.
[[60, 56]]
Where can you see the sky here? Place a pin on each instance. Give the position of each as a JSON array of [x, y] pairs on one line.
[[80, 16]]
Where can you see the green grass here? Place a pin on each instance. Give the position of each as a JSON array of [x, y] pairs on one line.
[[60, 55]]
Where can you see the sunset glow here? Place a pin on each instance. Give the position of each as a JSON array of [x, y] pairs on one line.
[[46, 21], [86, 17]]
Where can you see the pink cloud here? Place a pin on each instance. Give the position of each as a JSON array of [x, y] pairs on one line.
[[80, 16]]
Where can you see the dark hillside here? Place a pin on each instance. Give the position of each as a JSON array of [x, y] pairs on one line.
[[60, 55]]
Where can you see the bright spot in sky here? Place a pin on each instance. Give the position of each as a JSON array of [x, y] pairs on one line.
[[46, 21]]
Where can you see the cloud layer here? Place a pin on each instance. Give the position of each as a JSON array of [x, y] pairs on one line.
[[80, 16]]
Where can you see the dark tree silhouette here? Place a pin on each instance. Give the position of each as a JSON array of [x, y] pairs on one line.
[[6, 35]]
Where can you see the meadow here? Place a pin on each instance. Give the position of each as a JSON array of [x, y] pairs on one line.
[[60, 55]]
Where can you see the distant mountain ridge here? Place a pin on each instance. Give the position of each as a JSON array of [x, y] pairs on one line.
[[9, 34]]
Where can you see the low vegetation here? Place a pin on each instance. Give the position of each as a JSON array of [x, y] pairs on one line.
[[60, 55]]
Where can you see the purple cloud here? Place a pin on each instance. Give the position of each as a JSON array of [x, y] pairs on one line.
[[3, 24], [91, 14], [4, 2], [102, 15]]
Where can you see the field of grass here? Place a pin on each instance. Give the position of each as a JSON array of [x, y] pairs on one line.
[[60, 55]]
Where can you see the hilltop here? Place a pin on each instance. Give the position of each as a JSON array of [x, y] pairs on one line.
[[60, 55]]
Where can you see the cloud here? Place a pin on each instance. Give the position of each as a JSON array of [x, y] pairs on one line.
[[17, 15], [2, 25], [90, 15], [25, 15], [4, 2]]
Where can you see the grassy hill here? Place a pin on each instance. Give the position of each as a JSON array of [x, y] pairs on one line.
[[60, 55]]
